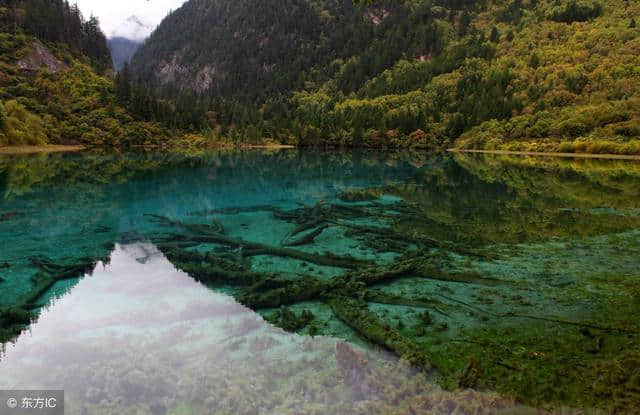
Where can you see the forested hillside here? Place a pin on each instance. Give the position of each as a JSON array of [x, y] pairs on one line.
[[497, 74], [57, 21], [56, 83]]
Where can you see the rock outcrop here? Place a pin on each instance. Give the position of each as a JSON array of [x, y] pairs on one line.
[[39, 57]]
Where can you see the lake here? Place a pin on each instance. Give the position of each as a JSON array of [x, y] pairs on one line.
[[312, 282]]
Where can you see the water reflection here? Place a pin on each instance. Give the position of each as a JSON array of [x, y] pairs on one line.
[[139, 336], [522, 278]]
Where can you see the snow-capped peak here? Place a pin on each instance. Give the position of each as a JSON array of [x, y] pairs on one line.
[[133, 28]]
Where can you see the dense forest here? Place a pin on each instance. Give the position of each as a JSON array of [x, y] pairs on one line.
[[502, 74], [59, 22], [535, 75], [57, 85]]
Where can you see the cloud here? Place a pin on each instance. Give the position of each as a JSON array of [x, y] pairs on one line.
[[114, 14], [133, 28]]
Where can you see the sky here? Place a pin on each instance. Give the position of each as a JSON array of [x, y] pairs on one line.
[[113, 14]]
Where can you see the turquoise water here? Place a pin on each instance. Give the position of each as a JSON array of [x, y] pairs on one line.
[[320, 282]]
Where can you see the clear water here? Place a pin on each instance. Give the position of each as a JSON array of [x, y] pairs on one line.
[[521, 288]]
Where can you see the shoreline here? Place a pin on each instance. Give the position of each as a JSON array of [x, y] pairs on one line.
[[46, 148], [59, 148], [549, 154], [269, 146]]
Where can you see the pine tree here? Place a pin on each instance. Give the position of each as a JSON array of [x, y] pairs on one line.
[[495, 35], [57, 21], [534, 60], [465, 21], [123, 85]]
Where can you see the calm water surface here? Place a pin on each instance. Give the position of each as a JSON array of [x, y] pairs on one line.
[[321, 283]]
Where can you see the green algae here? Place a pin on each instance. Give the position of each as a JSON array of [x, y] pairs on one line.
[[288, 320], [546, 363], [520, 354], [360, 195], [544, 366], [356, 315], [13, 321]]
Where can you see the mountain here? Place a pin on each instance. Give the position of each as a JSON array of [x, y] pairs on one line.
[[122, 50], [56, 21], [547, 75], [246, 47], [126, 38], [57, 87], [133, 28]]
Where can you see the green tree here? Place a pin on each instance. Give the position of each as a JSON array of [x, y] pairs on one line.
[[534, 60], [123, 85], [495, 35], [510, 35], [465, 21]]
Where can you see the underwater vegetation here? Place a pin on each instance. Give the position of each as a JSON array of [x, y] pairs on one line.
[[504, 274], [216, 356], [13, 321], [523, 350]]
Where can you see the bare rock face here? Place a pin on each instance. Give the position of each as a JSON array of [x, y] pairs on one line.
[[205, 78], [39, 57], [169, 71]]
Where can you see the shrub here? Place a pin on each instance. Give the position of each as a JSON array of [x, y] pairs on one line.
[[560, 98], [602, 147], [628, 129], [598, 147], [20, 126], [566, 147], [540, 125], [571, 127], [576, 81], [534, 60], [630, 148]]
